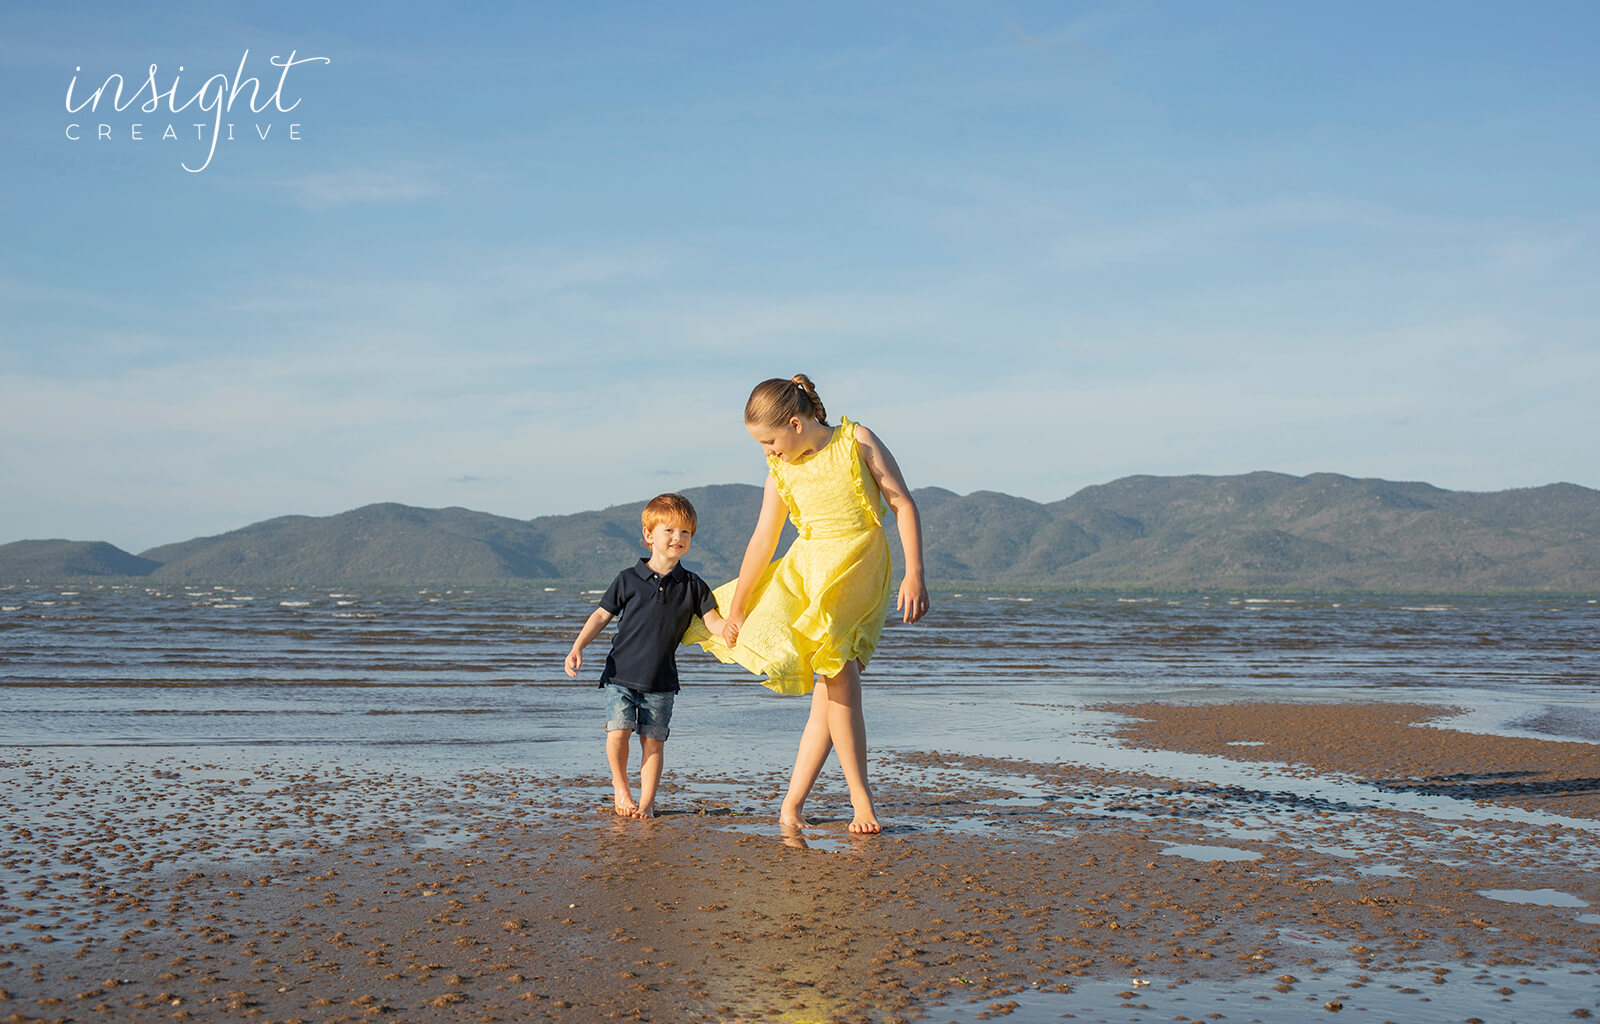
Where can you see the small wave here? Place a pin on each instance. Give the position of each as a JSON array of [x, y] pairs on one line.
[[294, 604], [356, 615], [343, 604], [1426, 608], [10, 607], [438, 711], [1008, 599]]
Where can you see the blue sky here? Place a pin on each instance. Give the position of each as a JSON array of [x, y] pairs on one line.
[[530, 259]]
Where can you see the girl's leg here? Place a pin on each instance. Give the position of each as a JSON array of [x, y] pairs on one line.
[[815, 743], [617, 755], [651, 758], [848, 731]]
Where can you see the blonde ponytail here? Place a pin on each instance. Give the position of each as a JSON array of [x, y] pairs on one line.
[[777, 401]]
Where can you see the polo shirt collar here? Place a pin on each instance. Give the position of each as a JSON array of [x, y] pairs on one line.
[[642, 568]]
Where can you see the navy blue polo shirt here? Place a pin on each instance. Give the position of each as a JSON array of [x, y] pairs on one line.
[[653, 611]]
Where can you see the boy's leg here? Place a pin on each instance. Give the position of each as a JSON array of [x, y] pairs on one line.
[[617, 742], [652, 756], [622, 718], [655, 721], [815, 743]]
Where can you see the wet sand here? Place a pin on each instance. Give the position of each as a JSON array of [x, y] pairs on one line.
[[1034, 889], [1374, 742]]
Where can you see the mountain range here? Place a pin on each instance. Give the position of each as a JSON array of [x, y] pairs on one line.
[[1322, 532]]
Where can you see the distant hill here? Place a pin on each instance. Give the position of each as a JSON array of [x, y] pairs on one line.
[[384, 543], [69, 559], [1322, 532], [1331, 532]]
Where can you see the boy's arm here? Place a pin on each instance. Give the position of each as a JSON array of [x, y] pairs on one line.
[[713, 622], [598, 620]]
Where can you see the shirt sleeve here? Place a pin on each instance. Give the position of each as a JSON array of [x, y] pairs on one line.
[[704, 599], [612, 600]]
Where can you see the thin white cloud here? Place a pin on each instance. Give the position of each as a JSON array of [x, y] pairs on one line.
[[1524, 254], [342, 188], [1206, 232]]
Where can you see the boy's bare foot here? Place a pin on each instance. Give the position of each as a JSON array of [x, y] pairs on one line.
[[645, 810], [623, 802]]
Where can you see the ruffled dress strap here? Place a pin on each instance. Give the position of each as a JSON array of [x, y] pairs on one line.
[[873, 505], [785, 487]]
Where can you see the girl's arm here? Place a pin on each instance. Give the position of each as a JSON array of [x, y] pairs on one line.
[[757, 555], [591, 629], [913, 597]]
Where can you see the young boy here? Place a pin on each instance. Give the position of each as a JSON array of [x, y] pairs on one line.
[[656, 598]]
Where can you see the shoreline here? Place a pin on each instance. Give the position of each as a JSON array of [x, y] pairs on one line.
[[1003, 886]]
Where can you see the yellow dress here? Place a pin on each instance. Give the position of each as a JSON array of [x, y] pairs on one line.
[[821, 605]]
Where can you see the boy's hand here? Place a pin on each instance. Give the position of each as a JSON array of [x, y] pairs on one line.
[[574, 661]]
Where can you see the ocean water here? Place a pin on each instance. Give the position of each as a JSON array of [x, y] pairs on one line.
[[473, 677]]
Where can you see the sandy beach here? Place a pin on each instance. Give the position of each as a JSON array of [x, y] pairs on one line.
[[1034, 889]]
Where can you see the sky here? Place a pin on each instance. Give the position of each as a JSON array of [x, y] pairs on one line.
[[530, 258]]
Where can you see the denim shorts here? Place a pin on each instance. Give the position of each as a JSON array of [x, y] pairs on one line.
[[647, 714]]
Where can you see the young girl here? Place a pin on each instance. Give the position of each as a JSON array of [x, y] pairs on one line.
[[811, 620]]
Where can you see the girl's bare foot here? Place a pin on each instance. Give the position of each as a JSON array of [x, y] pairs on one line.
[[791, 819], [647, 810], [866, 819], [622, 800]]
